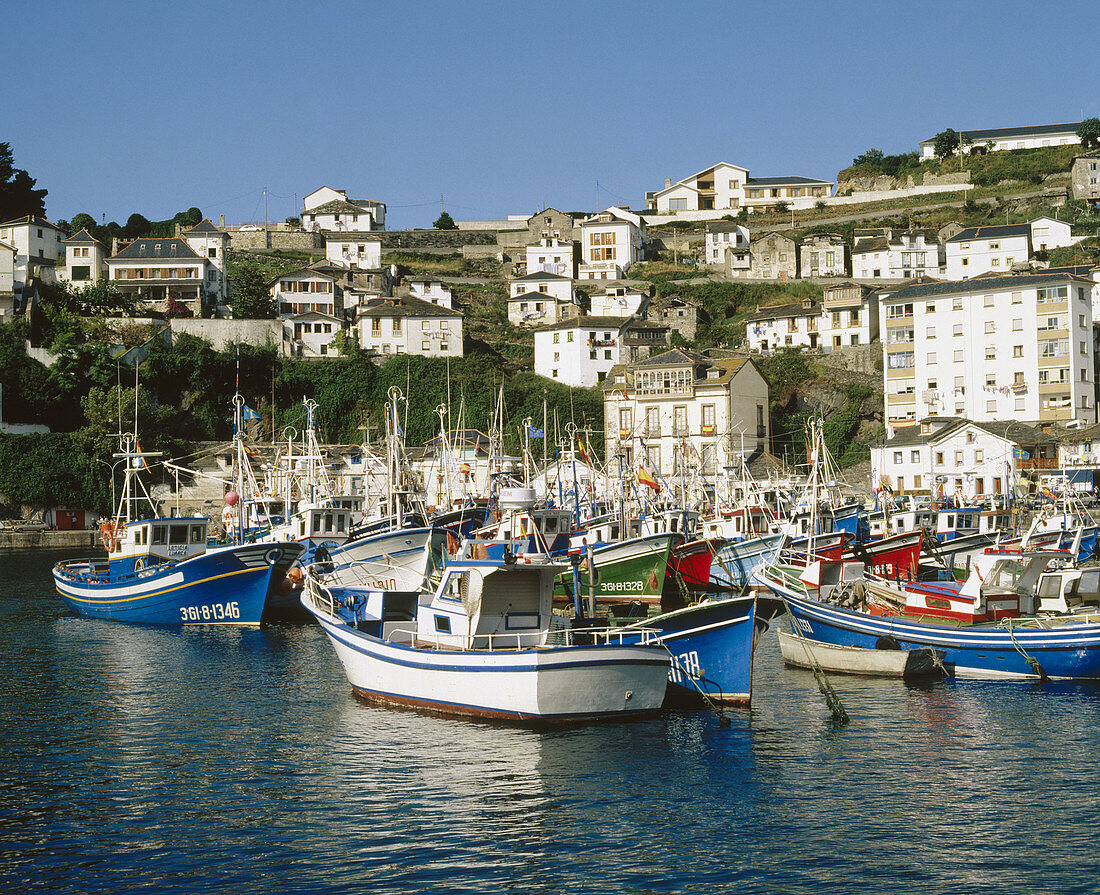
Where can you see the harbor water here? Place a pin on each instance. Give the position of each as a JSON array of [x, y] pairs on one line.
[[237, 760]]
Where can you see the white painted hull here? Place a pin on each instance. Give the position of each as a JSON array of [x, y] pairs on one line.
[[549, 685], [859, 660]]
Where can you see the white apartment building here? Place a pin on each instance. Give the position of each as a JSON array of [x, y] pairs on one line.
[[619, 300], [725, 187], [980, 250], [611, 241], [725, 235], [409, 326], [953, 458], [680, 410], [431, 290], [784, 326], [1000, 138], [887, 254], [579, 352], [85, 259], [551, 255], [849, 316], [329, 209], [38, 249], [1018, 347], [540, 298], [354, 250]]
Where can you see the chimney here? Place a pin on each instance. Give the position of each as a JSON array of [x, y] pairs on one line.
[[668, 182], [221, 222]]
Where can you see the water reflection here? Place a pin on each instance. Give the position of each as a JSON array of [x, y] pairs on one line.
[[236, 759]]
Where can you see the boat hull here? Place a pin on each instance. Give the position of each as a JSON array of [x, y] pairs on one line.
[[798, 651], [626, 571], [711, 645], [224, 586], [1067, 651], [554, 685]]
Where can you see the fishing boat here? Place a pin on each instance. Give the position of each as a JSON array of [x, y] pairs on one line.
[[159, 570], [805, 652], [485, 644], [990, 630]]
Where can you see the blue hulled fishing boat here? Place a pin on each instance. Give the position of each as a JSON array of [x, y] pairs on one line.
[[159, 570]]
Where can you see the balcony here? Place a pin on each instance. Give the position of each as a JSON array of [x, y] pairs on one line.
[[1037, 463]]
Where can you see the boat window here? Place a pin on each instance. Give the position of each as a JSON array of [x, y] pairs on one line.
[[198, 534], [951, 521], [178, 534], [160, 534], [317, 522], [1050, 587], [1088, 586], [328, 522], [673, 524], [302, 528], [443, 624], [341, 522], [550, 523], [614, 532], [139, 535], [1005, 573]]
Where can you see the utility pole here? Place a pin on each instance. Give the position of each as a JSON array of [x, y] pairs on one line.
[[440, 203], [597, 196], [265, 206]]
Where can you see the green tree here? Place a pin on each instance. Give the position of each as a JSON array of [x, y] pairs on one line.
[[1088, 131], [250, 298], [137, 225], [445, 222], [83, 221], [18, 197], [945, 143], [870, 157]]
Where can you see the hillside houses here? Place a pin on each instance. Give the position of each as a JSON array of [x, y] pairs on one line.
[[725, 186], [1001, 138]]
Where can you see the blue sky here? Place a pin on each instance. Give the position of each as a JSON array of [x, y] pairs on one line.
[[503, 107]]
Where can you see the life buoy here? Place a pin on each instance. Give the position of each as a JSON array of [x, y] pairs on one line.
[[107, 536]]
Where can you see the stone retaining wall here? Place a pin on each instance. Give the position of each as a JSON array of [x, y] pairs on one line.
[[435, 240], [262, 239], [54, 540]]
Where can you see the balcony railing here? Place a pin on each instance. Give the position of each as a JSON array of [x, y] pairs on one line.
[[1037, 463]]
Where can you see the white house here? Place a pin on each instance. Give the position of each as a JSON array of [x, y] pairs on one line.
[[540, 298], [354, 250], [979, 250], [823, 255], [680, 411], [954, 458], [579, 352], [311, 334], [888, 254], [159, 271], [38, 249], [999, 138], [85, 259], [784, 326], [719, 187], [432, 291], [552, 255], [611, 241], [618, 300], [7, 268], [211, 243], [309, 290], [726, 187], [849, 316], [723, 236], [409, 326], [991, 348], [1050, 233], [329, 209]]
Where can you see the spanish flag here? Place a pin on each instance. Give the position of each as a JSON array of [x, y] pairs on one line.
[[646, 478], [582, 451]]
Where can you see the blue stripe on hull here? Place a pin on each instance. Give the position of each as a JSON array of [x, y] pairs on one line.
[[1070, 652]]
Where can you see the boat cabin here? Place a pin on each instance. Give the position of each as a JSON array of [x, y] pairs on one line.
[[152, 542]]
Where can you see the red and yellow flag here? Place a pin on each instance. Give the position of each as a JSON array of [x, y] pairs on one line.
[[645, 477]]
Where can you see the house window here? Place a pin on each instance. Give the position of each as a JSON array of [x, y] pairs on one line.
[[914, 456], [425, 346], [939, 458], [677, 204], [959, 356], [1017, 350], [556, 335], [1017, 324], [957, 329], [376, 326], [1017, 298], [931, 359], [897, 456]]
